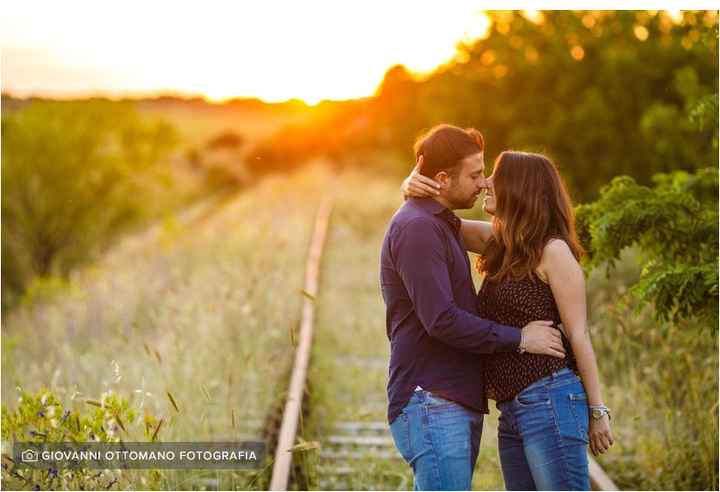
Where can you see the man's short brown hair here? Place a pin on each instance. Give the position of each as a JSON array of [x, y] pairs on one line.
[[444, 146]]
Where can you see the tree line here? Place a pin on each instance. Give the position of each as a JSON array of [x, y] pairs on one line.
[[603, 93]]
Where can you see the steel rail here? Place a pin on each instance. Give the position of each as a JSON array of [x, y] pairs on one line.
[[293, 406]]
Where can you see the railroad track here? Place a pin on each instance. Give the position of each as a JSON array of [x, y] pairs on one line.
[[352, 447]]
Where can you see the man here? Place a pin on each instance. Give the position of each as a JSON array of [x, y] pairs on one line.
[[436, 388]]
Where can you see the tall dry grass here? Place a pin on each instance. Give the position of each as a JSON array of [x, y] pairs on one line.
[[192, 325], [205, 314]]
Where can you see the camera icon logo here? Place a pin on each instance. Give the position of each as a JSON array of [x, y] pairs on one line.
[[30, 456]]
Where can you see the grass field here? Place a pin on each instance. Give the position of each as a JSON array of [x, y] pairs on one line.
[[201, 312], [199, 122], [204, 311]]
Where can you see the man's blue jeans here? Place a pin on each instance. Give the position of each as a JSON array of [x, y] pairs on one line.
[[440, 440], [543, 435]]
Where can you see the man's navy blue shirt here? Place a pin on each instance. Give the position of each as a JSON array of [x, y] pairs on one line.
[[436, 337]]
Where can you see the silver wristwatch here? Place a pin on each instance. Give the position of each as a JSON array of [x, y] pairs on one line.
[[597, 411]]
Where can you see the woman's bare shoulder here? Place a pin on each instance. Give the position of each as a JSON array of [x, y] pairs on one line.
[[557, 248], [556, 255]]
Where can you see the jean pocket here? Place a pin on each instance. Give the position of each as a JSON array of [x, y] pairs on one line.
[[581, 413], [537, 396], [571, 414]]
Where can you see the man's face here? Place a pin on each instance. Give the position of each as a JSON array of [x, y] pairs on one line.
[[465, 187]]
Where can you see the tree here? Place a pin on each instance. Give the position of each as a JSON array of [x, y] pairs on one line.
[[675, 226], [603, 93], [225, 140], [74, 174]]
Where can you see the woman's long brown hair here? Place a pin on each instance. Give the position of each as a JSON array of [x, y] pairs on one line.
[[532, 206]]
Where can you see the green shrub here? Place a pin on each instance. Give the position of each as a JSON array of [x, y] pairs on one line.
[[42, 418], [74, 175], [44, 289], [675, 227]]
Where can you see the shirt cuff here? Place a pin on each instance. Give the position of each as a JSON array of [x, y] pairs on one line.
[[508, 339]]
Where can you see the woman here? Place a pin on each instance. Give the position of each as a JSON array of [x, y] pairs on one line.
[[529, 256]]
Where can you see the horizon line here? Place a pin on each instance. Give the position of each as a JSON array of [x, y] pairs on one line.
[[156, 95]]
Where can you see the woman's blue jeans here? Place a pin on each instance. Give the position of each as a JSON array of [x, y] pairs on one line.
[[440, 440], [543, 435]]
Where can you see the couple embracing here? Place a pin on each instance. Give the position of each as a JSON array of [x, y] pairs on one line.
[[521, 341]]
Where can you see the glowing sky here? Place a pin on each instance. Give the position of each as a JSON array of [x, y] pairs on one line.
[[270, 49]]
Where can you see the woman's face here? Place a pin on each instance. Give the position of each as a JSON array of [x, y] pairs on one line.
[[489, 200]]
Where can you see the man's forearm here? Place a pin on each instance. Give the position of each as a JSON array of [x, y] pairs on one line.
[[471, 333]]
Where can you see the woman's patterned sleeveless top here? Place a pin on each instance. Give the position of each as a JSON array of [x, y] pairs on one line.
[[516, 303]]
